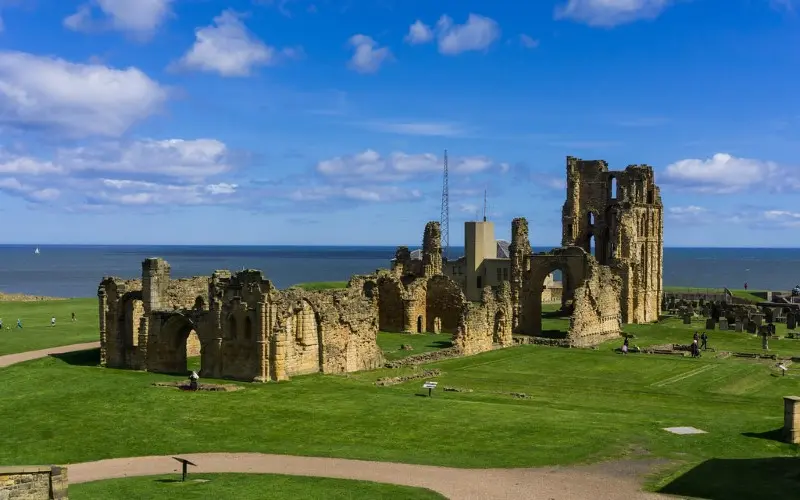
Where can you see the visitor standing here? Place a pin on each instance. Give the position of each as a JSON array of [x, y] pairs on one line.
[[73, 317], [19, 323], [745, 286], [704, 339], [53, 321]]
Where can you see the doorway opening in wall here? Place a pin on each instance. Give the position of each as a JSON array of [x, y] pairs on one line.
[[183, 349], [554, 318], [419, 324], [593, 246]]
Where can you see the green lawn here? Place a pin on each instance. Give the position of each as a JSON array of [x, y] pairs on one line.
[[322, 285], [421, 342], [672, 330], [740, 293], [37, 332], [244, 486], [580, 405]]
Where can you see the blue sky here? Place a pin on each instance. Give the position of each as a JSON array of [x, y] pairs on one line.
[[324, 122]]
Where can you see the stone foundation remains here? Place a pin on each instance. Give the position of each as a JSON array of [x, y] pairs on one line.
[[791, 419], [241, 326], [33, 483]]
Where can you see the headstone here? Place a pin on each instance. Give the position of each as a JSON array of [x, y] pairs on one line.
[[752, 327], [687, 319], [723, 323], [738, 327], [791, 321], [710, 323]]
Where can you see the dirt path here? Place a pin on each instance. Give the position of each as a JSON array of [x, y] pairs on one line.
[[12, 359], [610, 481]]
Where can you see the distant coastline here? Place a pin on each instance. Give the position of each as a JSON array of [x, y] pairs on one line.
[[21, 297]]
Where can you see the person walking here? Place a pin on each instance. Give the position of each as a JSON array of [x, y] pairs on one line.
[[704, 340], [19, 323], [53, 321]]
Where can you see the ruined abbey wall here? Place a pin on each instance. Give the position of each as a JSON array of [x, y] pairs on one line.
[[241, 326], [618, 215]]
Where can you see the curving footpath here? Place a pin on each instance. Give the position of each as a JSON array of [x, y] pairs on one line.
[[12, 359], [610, 481]]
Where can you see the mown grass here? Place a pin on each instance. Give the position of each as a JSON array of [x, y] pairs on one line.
[[245, 486], [390, 343], [748, 294], [36, 332], [322, 285]]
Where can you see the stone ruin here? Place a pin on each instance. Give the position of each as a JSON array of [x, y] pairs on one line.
[[240, 325], [611, 263]]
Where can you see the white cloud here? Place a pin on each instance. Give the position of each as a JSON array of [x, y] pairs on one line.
[[22, 165], [687, 210], [127, 192], [432, 129], [373, 194], [139, 17], [478, 33], [191, 160], [722, 173], [419, 33], [368, 56], [608, 13], [399, 166], [79, 99], [30, 192], [227, 47], [468, 208], [528, 42]]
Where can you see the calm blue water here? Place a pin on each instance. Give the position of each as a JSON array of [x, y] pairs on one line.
[[75, 271]]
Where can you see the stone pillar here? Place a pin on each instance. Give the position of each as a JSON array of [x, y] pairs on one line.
[[262, 343], [409, 319], [155, 280], [144, 339], [102, 300], [432, 249], [279, 355], [59, 483], [791, 419], [519, 250]]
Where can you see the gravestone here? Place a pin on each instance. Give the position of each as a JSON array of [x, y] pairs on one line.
[[751, 327], [771, 329], [710, 324], [791, 321], [723, 324], [687, 319], [738, 327]]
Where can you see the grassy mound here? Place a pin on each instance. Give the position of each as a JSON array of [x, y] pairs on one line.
[[322, 285]]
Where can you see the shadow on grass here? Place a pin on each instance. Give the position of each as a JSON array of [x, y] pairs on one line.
[[739, 479], [168, 480], [89, 357], [442, 344], [554, 334], [776, 435]]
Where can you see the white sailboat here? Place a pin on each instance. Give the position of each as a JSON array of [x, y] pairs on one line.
[[36, 251]]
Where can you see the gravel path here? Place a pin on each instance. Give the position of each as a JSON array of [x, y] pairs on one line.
[[610, 481], [12, 359]]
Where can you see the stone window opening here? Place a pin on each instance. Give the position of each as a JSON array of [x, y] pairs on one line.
[[419, 324], [592, 245], [232, 327], [591, 219], [248, 328], [479, 283], [569, 230], [612, 191], [650, 196]]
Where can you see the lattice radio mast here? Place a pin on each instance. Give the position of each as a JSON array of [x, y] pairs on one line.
[[484, 205], [444, 221]]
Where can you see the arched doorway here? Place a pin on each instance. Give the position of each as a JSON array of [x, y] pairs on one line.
[[552, 320], [419, 324], [179, 345]]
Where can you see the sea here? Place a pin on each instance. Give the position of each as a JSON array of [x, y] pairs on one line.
[[76, 270]]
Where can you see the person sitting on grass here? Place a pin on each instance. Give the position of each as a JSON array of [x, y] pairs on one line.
[[625, 346]]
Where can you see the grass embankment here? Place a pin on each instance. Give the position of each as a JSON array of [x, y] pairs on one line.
[[322, 285], [748, 295], [36, 332], [243, 486], [390, 343]]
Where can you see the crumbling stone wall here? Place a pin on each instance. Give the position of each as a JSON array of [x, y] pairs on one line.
[[487, 324], [622, 213], [596, 313], [390, 304], [519, 251], [245, 329], [34, 483], [432, 249], [444, 303]]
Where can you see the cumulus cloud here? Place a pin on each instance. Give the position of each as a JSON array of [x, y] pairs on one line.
[[418, 33], [138, 17], [146, 172], [368, 55], [477, 33], [722, 173], [78, 99], [373, 194], [190, 160], [399, 166], [609, 13], [228, 48]]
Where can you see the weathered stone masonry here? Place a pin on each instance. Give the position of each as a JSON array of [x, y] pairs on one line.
[[246, 329], [33, 483]]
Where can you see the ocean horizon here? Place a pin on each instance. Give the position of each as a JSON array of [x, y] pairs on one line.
[[76, 270]]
